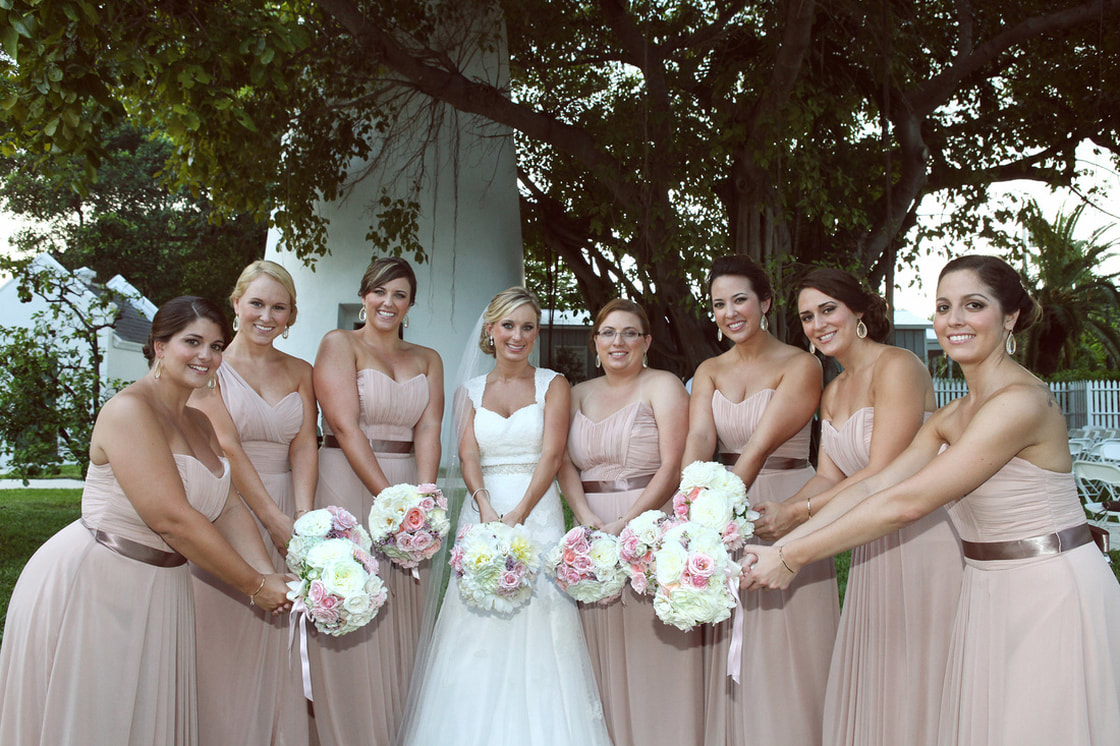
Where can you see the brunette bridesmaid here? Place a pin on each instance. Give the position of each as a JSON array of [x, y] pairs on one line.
[[627, 436], [382, 400], [751, 407], [263, 412]]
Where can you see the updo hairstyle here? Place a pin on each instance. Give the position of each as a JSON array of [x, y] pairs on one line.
[[502, 305], [178, 313], [387, 269], [738, 265], [619, 304], [1005, 284], [270, 269], [844, 287]]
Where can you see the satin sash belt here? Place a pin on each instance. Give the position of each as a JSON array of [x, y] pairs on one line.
[[617, 485], [774, 463], [508, 469], [1034, 546], [378, 446], [135, 550]]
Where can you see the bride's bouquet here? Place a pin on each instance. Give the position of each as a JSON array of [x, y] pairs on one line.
[[495, 565], [338, 586], [586, 565], [636, 544], [408, 523], [713, 496], [697, 581]]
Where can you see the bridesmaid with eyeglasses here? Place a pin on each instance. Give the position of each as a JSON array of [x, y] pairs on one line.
[[627, 435]]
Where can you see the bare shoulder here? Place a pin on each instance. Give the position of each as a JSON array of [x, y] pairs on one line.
[[337, 342], [898, 359], [296, 366], [661, 382]]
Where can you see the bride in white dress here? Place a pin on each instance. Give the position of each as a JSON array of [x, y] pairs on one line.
[[520, 678]]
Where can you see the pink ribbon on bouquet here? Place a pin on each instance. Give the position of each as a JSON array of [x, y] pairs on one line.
[[298, 607], [735, 649]]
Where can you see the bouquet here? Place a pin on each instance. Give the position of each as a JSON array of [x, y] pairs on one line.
[[636, 545], [408, 523], [713, 496], [697, 581], [495, 564], [338, 586], [586, 565]]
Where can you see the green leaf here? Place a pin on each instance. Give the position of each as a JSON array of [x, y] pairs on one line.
[[10, 39]]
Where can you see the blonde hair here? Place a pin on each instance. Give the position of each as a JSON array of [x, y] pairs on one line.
[[270, 269], [502, 305]]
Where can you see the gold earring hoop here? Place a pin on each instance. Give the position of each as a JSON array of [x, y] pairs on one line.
[[764, 324], [157, 369], [362, 316], [861, 329], [1010, 345]]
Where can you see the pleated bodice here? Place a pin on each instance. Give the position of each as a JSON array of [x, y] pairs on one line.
[[266, 431], [736, 422], [849, 447], [621, 445], [388, 409], [106, 507], [1018, 501]]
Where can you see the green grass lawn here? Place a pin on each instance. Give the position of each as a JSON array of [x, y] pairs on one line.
[[28, 518], [63, 471]]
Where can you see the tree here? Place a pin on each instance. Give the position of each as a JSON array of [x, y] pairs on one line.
[[127, 221], [651, 135], [1080, 302], [51, 386]]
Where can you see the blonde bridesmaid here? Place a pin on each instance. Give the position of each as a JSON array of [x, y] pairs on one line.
[[263, 411], [627, 435], [382, 400]]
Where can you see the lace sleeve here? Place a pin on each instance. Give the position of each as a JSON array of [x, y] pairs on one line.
[[541, 380]]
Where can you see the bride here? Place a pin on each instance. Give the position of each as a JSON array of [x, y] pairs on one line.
[[525, 678]]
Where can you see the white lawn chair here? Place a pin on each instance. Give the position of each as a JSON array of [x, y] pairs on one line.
[[1105, 450], [1099, 486], [1079, 447]]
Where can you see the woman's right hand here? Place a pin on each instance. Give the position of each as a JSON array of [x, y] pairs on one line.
[[487, 514], [273, 595]]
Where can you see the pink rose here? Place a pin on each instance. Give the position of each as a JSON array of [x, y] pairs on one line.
[[731, 534], [316, 592], [456, 559], [680, 506], [629, 545], [583, 563], [330, 601], [422, 541], [326, 617], [427, 504], [639, 583], [367, 560], [414, 519], [568, 556], [343, 519], [427, 488], [573, 536], [701, 565], [508, 581]]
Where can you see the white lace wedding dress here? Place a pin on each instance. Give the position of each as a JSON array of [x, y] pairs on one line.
[[524, 678]]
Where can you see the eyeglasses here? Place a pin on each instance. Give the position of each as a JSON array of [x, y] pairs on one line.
[[628, 335]]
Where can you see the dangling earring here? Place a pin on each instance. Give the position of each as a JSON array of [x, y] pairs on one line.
[[764, 324], [861, 329], [157, 369], [362, 314], [1010, 345], [284, 333], [405, 322], [645, 361], [598, 362], [212, 382], [719, 335], [491, 338], [236, 324], [812, 349]]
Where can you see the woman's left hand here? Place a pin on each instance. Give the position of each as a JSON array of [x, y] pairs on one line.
[[763, 568], [775, 520], [614, 527], [513, 517]]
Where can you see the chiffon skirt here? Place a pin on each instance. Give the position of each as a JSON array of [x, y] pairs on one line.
[[361, 679], [644, 667], [250, 687], [98, 650], [1035, 654]]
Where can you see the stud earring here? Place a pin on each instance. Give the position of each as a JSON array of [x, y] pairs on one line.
[[764, 324], [1010, 346], [861, 329], [362, 314], [284, 333], [157, 369], [236, 324]]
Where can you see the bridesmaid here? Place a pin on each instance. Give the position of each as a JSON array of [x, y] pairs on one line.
[[625, 444], [382, 400], [755, 402], [884, 685], [264, 415], [1033, 653], [99, 638]]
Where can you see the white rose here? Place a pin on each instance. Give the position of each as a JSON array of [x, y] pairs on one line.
[[329, 551], [315, 523], [671, 560], [345, 577], [604, 552], [710, 509]]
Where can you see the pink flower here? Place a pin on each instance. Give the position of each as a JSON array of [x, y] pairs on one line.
[[731, 534], [330, 601], [680, 506], [317, 592], [367, 560], [325, 616], [701, 565], [638, 581], [583, 563], [573, 536], [427, 504], [422, 541], [509, 581], [343, 519], [427, 488], [456, 559], [414, 519], [568, 556], [629, 545]]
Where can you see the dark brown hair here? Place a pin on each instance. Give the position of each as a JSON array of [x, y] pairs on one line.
[[739, 265], [178, 313], [844, 287], [1005, 284], [387, 269]]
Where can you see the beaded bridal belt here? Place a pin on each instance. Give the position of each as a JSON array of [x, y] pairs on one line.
[[508, 469], [135, 550], [1034, 546]]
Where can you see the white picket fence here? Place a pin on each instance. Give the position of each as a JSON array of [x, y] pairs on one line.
[[1085, 403]]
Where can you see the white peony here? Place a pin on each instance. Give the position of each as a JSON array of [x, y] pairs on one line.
[[315, 523], [329, 551], [345, 578], [710, 509]]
